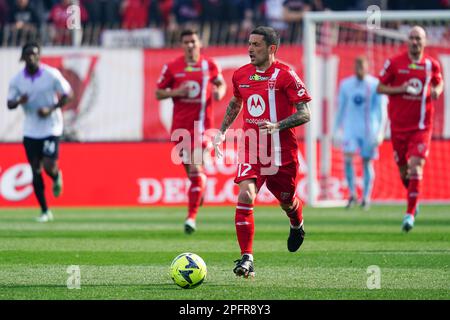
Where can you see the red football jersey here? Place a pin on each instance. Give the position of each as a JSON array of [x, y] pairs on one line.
[[197, 106], [409, 112], [270, 96]]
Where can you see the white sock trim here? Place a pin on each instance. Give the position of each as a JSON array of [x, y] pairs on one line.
[[244, 208], [297, 227]]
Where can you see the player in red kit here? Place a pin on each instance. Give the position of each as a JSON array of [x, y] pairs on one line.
[[274, 101], [412, 80], [191, 80]]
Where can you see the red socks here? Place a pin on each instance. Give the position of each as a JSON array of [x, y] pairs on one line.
[[195, 194], [296, 214], [245, 227], [413, 194]]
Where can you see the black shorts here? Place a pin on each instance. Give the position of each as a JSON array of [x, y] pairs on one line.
[[40, 148]]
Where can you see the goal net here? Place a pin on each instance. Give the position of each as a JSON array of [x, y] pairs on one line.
[[332, 41]]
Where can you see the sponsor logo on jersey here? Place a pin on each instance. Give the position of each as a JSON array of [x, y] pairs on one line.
[[404, 71], [192, 69], [257, 77], [256, 105], [244, 86], [194, 88], [256, 121], [180, 75], [414, 66], [417, 84]]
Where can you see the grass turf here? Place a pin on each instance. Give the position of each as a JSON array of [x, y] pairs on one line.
[[124, 253]]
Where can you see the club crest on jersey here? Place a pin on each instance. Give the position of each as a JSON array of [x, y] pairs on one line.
[[256, 105], [257, 77], [271, 83]]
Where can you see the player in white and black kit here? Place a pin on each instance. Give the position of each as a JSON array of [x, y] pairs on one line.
[[42, 91]]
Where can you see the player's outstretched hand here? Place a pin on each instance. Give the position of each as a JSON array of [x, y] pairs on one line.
[[268, 127], [218, 140], [45, 112]]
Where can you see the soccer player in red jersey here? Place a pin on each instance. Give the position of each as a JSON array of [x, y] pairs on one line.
[[191, 81], [274, 100], [412, 80]]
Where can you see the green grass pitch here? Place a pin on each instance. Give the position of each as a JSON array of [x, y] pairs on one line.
[[124, 253]]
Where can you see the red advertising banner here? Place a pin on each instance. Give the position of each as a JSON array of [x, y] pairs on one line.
[[130, 174]]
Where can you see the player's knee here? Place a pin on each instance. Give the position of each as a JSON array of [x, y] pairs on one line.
[[403, 172], [247, 196], [36, 170], [195, 170], [289, 206], [415, 171], [50, 168], [286, 206]]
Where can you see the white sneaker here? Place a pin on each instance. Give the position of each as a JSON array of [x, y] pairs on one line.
[[189, 226], [45, 217]]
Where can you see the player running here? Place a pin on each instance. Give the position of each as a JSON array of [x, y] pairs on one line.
[[412, 80], [361, 117], [42, 91], [274, 100], [191, 81]]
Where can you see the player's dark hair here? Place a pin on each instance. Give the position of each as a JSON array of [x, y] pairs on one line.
[[270, 36], [29, 45], [188, 32]]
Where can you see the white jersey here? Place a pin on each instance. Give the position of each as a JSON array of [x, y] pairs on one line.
[[42, 90]]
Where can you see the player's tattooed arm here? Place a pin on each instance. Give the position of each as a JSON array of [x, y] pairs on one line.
[[233, 110], [303, 115], [300, 117]]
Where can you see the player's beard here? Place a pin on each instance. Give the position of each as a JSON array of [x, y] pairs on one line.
[[415, 51], [261, 60], [192, 55]]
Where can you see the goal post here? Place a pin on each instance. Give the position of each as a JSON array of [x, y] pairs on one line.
[[378, 35]]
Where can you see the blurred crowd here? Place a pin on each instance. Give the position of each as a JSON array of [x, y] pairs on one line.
[[25, 16]]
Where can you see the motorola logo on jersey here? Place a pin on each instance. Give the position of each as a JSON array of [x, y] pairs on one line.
[[194, 88], [416, 84], [256, 105]]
